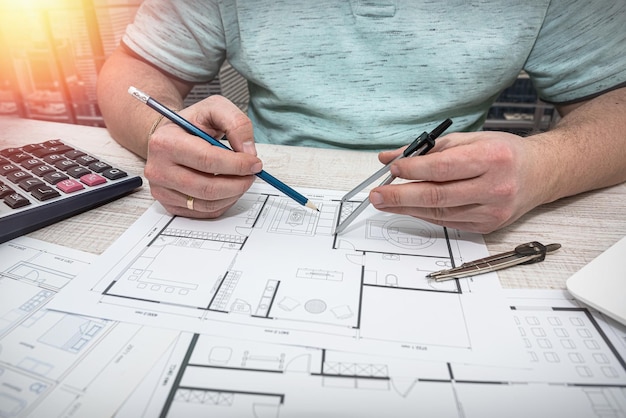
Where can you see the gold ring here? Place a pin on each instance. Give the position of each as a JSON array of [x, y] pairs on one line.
[[189, 202]]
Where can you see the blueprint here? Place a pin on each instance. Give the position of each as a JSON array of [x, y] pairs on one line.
[[271, 270], [576, 369], [59, 365]]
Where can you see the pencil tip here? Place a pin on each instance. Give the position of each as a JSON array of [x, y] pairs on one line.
[[310, 205]]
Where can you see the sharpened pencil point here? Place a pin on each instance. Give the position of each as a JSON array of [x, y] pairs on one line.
[[310, 205]]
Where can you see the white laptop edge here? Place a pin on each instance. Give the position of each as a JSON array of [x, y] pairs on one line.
[[601, 284]]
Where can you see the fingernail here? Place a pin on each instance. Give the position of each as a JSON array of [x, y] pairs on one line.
[[257, 168], [376, 198], [394, 170], [249, 148]]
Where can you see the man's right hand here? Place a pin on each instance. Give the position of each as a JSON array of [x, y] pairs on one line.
[[191, 177]]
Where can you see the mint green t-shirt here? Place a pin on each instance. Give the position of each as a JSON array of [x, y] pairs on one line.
[[373, 74]]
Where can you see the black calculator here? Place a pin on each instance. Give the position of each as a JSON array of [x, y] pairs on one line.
[[43, 183]]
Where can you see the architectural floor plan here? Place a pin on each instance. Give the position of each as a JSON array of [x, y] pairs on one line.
[[55, 364], [576, 369], [273, 271]]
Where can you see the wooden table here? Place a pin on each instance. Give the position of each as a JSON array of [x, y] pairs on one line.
[[585, 225]]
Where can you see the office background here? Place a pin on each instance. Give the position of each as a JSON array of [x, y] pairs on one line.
[[52, 51]]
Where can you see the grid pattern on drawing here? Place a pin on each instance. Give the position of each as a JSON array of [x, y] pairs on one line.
[[36, 301], [568, 338], [209, 236], [225, 292]]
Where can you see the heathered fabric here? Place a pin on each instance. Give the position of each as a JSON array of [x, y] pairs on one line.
[[373, 74]]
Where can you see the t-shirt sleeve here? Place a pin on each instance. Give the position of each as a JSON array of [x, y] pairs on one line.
[[184, 38], [579, 52]]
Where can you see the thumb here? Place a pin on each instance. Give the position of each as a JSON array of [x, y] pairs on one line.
[[219, 114]]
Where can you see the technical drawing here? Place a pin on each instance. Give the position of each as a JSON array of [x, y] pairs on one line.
[[286, 381], [569, 338], [198, 244], [52, 362], [273, 270]]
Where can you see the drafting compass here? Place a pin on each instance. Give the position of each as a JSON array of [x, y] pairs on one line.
[[531, 252], [420, 146]]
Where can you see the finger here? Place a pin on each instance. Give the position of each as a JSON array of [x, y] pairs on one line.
[[201, 185], [209, 208], [224, 117], [182, 204], [386, 157], [476, 227], [463, 155], [472, 218], [465, 213], [460, 162], [434, 195], [172, 145], [449, 202], [180, 211], [456, 139], [446, 141]]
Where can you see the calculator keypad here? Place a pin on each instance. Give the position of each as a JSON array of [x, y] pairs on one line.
[[47, 170]]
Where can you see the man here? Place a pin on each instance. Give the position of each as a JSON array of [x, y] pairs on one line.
[[370, 75]]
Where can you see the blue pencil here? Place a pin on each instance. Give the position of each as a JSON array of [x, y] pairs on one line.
[[194, 130]]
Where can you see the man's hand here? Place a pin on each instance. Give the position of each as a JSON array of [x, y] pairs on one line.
[[476, 182], [180, 166], [483, 181]]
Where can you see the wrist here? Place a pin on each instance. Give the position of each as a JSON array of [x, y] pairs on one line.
[[157, 122], [154, 126]]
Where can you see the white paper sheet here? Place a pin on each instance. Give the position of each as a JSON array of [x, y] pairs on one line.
[[577, 370], [54, 364], [271, 270]]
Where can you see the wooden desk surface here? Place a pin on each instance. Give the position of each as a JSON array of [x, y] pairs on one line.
[[585, 225]]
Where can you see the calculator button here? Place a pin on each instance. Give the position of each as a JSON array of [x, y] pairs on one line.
[[5, 190], [65, 164], [52, 143], [29, 184], [86, 160], [93, 179], [8, 168], [74, 154], [77, 172], [69, 186], [43, 152], [16, 200], [54, 177], [54, 158], [42, 169], [7, 152], [44, 193], [59, 149], [18, 176], [31, 163], [31, 147], [19, 157], [114, 173], [98, 166]]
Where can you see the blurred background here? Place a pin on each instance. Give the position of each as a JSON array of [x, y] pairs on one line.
[[52, 50]]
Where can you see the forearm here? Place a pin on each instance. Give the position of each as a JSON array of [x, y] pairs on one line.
[[587, 148], [129, 121]]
